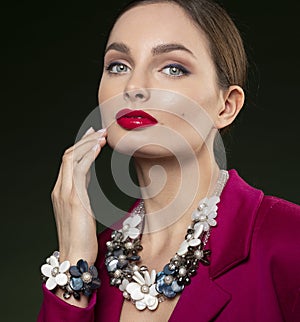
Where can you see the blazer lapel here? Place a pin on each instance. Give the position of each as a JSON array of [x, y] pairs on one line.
[[230, 244], [202, 300], [230, 241]]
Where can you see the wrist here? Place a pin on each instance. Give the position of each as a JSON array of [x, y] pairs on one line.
[[74, 256]]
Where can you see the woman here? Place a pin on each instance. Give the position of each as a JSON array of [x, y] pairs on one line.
[[173, 77]]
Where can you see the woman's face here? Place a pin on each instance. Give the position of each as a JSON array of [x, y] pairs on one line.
[[158, 61]]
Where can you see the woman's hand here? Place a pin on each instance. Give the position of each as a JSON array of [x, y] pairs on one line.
[[76, 225]]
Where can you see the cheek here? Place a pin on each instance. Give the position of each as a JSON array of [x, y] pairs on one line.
[[208, 98], [103, 93], [107, 90], [194, 129]]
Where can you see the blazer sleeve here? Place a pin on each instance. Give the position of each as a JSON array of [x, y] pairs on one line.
[[281, 234], [54, 309]]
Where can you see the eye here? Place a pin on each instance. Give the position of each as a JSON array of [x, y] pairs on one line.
[[117, 68], [175, 70]]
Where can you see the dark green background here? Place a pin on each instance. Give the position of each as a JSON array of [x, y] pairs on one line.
[[51, 54]]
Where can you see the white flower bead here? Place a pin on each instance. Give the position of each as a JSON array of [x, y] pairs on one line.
[[192, 241], [124, 284], [143, 291], [51, 283], [140, 305], [61, 279], [55, 272], [206, 212], [129, 227]]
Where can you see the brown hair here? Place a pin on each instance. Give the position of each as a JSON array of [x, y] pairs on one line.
[[226, 45]]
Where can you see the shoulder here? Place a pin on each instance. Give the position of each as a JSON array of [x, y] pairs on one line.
[[278, 226], [270, 213], [279, 205], [279, 215]]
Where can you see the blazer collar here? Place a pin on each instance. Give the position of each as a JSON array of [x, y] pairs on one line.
[[230, 240]]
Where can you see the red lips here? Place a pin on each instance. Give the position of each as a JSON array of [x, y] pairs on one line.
[[133, 119]]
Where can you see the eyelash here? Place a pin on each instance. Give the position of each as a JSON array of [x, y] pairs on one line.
[[109, 67], [182, 70]]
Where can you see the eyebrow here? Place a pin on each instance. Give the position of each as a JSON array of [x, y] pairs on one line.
[[166, 48], [118, 46], [158, 50]]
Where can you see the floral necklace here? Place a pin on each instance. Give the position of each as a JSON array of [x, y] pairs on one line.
[[147, 289]]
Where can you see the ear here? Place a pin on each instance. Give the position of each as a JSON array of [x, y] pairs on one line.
[[233, 101]]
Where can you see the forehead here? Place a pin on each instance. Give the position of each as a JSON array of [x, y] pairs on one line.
[[153, 24]]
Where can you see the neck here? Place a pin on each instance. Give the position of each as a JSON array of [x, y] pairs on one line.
[[172, 188]]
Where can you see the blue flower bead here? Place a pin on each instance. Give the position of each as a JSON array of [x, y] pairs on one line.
[[166, 284], [83, 278]]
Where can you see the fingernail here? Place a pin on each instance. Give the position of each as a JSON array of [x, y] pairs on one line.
[[96, 147], [102, 130], [101, 139], [90, 130]]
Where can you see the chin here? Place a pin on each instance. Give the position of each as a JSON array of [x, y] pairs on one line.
[[155, 142], [130, 145], [153, 152]]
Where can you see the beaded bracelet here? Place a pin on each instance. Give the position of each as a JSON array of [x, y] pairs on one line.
[[72, 279]]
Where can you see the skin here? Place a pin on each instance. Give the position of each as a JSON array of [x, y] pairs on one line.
[[143, 30]]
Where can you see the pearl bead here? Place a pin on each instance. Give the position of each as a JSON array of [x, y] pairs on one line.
[[198, 254], [122, 257], [126, 295], [168, 279], [129, 245], [145, 289], [182, 271], [54, 271], [109, 244], [86, 277]]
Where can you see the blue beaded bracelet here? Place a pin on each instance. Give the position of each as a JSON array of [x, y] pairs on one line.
[[74, 280]]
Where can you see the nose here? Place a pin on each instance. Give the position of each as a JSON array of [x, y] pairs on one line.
[[137, 95], [136, 90]]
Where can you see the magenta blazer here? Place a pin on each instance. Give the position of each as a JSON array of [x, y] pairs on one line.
[[254, 274]]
